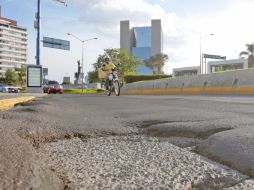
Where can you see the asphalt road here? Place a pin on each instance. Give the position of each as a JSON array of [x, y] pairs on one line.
[[95, 141]]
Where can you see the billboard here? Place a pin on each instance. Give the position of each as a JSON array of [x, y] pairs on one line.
[[34, 76], [56, 43]]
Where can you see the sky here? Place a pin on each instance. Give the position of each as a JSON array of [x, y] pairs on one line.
[[184, 22]]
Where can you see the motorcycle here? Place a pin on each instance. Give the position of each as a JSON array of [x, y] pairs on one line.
[[114, 85]]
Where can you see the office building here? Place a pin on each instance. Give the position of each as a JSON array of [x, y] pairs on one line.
[[13, 45], [186, 71], [226, 65], [141, 42]]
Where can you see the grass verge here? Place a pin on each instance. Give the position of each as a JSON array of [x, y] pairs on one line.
[[85, 91]]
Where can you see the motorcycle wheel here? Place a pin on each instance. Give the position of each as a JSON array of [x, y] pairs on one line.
[[117, 88], [108, 92]]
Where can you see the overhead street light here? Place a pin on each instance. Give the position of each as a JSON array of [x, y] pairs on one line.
[[38, 27], [60, 1], [200, 51], [82, 61]]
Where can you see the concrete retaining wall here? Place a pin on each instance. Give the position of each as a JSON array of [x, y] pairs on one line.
[[231, 82]]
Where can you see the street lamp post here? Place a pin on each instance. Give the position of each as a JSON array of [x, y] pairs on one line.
[[200, 52], [82, 59], [38, 27]]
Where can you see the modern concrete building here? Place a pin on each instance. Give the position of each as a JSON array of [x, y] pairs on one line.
[[217, 66], [186, 71], [13, 45], [141, 42]]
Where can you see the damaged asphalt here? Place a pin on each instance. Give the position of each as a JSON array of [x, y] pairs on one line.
[[32, 134]]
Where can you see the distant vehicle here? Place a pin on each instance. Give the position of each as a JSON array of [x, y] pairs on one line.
[[53, 88], [10, 89], [13, 89], [52, 82], [3, 87]]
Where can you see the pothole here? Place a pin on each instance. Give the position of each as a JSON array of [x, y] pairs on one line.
[[138, 162], [32, 103], [183, 142], [183, 133], [205, 153], [189, 139], [27, 109]]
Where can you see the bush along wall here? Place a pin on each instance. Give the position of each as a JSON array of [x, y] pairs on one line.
[[136, 78]]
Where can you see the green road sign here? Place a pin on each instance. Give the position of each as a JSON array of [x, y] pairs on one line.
[[213, 56]]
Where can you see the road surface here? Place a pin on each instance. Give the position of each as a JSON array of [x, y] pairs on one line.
[[131, 141]]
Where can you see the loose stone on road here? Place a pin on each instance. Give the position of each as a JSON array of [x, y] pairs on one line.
[[136, 162]]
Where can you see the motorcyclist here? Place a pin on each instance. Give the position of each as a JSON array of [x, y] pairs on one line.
[[108, 67]]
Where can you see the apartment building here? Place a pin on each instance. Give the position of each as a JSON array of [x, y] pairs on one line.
[[13, 45]]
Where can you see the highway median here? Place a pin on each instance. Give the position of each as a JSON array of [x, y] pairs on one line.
[[10, 102]]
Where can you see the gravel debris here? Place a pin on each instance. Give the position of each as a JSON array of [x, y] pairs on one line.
[[136, 162]]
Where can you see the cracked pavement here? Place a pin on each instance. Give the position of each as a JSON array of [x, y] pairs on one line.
[[95, 141]]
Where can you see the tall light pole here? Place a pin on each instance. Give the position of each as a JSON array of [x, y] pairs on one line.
[[82, 61], [38, 27], [200, 51]]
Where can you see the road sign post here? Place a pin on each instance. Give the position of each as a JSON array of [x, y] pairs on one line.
[[209, 56]]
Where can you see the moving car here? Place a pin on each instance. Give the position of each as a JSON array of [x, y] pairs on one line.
[[53, 88]]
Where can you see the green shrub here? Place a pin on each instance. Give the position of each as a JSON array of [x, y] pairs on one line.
[[136, 78], [85, 91], [23, 90]]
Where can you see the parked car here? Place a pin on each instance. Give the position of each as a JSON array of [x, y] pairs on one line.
[[3, 87], [53, 88], [10, 89], [13, 89]]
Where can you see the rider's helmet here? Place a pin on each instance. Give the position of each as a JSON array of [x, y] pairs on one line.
[[106, 59]]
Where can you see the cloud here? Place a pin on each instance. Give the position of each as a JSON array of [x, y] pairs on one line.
[[232, 27]]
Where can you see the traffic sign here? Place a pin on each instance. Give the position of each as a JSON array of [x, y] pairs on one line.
[[213, 56], [56, 43], [45, 71]]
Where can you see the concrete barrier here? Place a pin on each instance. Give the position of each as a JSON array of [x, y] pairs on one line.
[[230, 82]]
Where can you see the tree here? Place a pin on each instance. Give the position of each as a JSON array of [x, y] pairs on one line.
[[157, 62], [120, 58], [93, 76], [21, 75], [11, 77], [249, 53], [2, 80]]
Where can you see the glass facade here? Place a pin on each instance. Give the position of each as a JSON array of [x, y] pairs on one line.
[[142, 53], [142, 47], [142, 36]]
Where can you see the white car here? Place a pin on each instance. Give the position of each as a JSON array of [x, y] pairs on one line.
[[11, 89], [4, 88]]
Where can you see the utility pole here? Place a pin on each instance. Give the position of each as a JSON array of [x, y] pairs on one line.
[[38, 27]]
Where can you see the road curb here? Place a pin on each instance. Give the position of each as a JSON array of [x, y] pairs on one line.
[[8, 103]]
